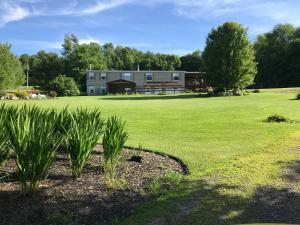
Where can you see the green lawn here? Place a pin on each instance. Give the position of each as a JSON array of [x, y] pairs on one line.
[[225, 142]]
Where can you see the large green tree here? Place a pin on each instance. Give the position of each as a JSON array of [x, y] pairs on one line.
[[78, 57], [64, 86], [11, 71], [191, 62], [43, 67], [229, 57], [278, 56]]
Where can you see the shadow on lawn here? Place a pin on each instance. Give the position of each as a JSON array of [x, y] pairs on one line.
[[85, 209], [208, 204], [292, 171], [211, 205], [156, 97]]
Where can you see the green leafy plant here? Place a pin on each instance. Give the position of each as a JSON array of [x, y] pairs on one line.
[[114, 139], [64, 86], [34, 139], [21, 94], [82, 135], [62, 218], [155, 186], [53, 94], [173, 178], [4, 141]]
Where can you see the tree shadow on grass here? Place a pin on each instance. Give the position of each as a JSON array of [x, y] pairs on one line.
[[292, 171], [208, 204], [212, 204]]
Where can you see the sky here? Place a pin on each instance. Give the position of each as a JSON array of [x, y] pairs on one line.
[[166, 26]]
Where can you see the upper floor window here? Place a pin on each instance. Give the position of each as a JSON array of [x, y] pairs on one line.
[[103, 76], [127, 76], [91, 76], [176, 76], [149, 76]]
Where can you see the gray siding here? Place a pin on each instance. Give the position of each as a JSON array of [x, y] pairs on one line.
[[139, 77]]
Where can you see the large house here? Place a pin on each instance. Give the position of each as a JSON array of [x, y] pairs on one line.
[[146, 82]]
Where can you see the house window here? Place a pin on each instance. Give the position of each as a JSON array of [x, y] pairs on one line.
[[102, 90], [91, 76], [91, 90], [103, 76], [176, 76], [149, 76], [127, 76]]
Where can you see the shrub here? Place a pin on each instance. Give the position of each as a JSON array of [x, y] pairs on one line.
[[256, 91], [52, 94], [64, 86], [34, 139], [114, 139], [2, 93], [162, 93], [21, 94], [10, 95], [4, 141], [83, 132], [278, 119]]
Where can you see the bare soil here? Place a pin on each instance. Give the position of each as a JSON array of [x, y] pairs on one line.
[[87, 200]]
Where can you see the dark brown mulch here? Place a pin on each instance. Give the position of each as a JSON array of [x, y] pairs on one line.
[[88, 200]]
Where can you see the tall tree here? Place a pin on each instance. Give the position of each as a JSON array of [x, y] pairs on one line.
[[191, 62], [229, 57], [78, 57], [278, 53], [109, 55], [43, 67], [11, 71]]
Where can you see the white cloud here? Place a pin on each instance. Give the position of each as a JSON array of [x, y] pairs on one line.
[[89, 40], [271, 11], [20, 9], [276, 11], [102, 6], [11, 12]]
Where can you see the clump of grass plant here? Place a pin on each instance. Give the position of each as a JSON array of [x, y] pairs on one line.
[[279, 119], [83, 133], [114, 139], [155, 186], [4, 140], [34, 139]]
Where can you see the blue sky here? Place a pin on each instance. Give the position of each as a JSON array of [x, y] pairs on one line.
[[166, 26]]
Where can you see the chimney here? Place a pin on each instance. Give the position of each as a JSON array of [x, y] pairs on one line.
[[138, 67]]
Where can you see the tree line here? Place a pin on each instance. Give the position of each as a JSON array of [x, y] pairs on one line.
[[229, 59], [76, 58]]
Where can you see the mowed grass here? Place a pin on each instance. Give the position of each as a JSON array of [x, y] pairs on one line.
[[224, 140]]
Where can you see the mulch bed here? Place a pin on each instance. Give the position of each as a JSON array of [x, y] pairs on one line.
[[87, 200]]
